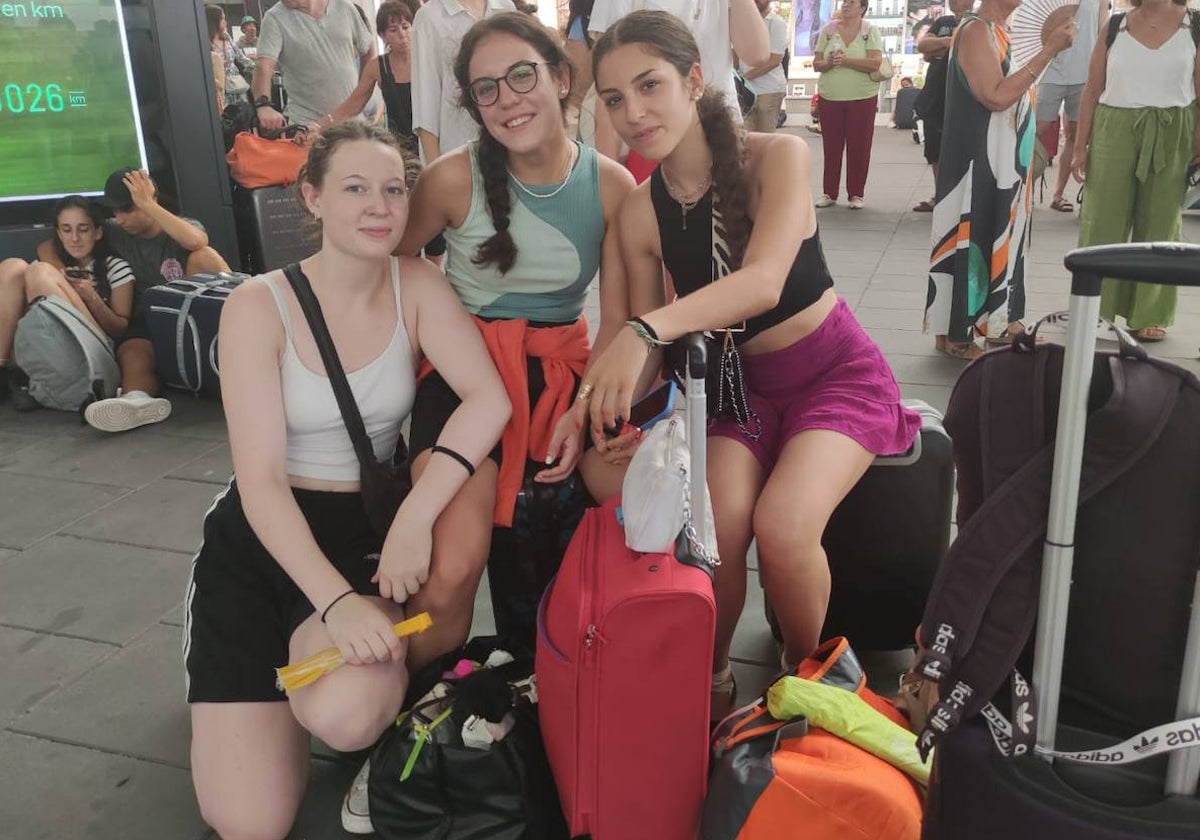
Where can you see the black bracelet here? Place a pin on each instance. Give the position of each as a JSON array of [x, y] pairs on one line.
[[263, 102], [467, 465], [325, 611], [649, 329]]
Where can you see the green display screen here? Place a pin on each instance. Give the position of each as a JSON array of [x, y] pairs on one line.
[[68, 115]]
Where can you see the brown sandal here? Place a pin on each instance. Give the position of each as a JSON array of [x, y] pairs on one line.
[[1062, 205], [964, 350], [1149, 335]]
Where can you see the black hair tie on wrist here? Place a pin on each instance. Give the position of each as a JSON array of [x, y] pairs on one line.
[[325, 611], [649, 329], [467, 465]]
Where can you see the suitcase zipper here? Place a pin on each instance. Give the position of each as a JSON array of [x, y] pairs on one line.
[[589, 690]]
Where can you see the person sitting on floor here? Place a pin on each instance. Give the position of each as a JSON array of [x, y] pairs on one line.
[[160, 247], [87, 275]]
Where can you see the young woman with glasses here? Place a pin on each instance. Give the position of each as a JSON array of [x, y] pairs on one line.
[[525, 210]]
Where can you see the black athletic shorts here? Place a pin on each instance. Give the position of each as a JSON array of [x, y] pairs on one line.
[[138, 326], [933, 142], [436, 401], [241, 606]]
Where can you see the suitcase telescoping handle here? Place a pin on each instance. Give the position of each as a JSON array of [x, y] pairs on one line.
[[1169, 263], [697, 423]]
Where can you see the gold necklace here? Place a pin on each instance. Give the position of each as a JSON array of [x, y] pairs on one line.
[[686, 201]]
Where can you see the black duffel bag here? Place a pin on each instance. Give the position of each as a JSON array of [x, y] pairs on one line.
[[426, 784]]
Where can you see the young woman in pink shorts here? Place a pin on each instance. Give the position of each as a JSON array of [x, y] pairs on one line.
[[732, 219]]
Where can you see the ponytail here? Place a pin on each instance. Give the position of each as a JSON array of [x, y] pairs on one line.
[[726, 141]]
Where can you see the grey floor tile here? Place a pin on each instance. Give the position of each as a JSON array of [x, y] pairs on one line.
[[132, 703], [903, 342], [889, 319], [175, 617], [11, 444], [911, 301], [936, 395], [925, 370], [42, 423], [119, 460], [320, 816], [65, 585], [166, 514], [73, 793], [35, 665], [190, 417], [752, 641], [901, 282], [752, 680], [214, 467], [32, 508]]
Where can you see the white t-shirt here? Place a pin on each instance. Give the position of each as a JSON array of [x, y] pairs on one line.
[[774, 81], [708, 21], [437, 32]]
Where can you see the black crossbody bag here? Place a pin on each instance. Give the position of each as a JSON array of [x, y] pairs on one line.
[[384, 485]]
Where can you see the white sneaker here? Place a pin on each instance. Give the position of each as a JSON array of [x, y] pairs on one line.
[[856, 203], [126, 411], [825, 201], [356, 817]]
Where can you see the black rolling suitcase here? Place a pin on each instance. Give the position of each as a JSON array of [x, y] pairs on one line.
[[271, 228], [885, 540], [1093, 503], [184, 316]]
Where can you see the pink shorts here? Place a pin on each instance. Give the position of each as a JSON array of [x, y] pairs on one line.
[[834, 378]]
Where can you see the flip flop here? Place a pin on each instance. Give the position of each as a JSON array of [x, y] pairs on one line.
[[1149, 335], [965, 351], [1062, 205]]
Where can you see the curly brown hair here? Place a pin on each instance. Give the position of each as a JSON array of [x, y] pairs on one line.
[[664, 35], [500, 248]]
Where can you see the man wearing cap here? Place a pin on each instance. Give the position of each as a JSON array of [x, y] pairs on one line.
[[249, 38], [160, 247]]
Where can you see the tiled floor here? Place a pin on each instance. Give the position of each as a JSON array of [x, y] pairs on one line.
[[96, 535]]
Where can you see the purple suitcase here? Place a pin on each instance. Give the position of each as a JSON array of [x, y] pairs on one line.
[[977, 793]]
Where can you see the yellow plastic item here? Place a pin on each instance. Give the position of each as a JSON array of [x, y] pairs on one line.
[[311, 668], [848, 716]]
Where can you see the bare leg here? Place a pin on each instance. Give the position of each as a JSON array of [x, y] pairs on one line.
[[136, 358], [815, 472], [42, 279], [249, 767], [350, 707], [735, 479], [462, 537], [12, 302], [1065, 158], [206, 259]]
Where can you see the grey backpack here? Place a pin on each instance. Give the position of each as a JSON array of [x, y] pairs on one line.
[[69, 361]]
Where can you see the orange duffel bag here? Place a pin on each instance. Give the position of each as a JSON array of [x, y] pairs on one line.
[[783, 778], [256, 161]]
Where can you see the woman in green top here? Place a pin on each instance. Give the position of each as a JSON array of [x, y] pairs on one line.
[[848, 51]]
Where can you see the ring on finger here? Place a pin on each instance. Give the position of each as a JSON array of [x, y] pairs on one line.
[[585, 392]]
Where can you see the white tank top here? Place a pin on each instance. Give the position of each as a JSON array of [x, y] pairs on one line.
[[318, 445], [1139, 77]]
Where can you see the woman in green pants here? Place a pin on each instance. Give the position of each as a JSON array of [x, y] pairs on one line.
[[1137, 134]]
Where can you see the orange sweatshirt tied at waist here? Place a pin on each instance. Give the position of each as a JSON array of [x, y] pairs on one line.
[[564, 354]]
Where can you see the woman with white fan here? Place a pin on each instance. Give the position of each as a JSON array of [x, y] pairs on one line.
[[1137, 134], [981, 218]]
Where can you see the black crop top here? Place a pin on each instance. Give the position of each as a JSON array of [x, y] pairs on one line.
[[695, 253]]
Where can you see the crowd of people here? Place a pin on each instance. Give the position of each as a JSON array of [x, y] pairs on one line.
[[613, 150]]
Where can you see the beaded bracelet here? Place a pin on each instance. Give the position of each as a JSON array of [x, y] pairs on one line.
[[646, 333]]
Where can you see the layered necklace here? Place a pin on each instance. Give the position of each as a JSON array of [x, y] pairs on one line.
[[572, 154], [686, 201]]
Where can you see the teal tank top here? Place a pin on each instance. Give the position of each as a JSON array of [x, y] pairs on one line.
[[558, 247]]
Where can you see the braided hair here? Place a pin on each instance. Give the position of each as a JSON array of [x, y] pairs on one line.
[[500, 249], [665, 36]]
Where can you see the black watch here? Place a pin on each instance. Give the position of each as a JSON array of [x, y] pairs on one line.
[[263, 102]]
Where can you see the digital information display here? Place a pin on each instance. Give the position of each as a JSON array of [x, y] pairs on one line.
[[68, 113]]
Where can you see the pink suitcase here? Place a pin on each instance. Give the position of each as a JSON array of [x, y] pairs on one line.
[[624, 665]]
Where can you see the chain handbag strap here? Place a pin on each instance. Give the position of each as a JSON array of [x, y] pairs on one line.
[[731, 391], [690, 533]]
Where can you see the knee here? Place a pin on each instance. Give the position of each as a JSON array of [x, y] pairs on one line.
[[206, 259], [453, 583], [250, 823], [12, 271], [784, 531], [43, 279], [354, 731]]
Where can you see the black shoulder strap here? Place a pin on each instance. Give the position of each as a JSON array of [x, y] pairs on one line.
[[983, 603], [1114, 26], [1194, 23], [333, 365]]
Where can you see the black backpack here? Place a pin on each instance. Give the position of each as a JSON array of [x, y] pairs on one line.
[[1136, 531]]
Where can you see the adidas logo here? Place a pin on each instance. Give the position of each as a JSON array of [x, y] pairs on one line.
[[1146, 745]]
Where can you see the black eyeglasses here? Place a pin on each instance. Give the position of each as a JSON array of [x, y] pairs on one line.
[[522, 77]]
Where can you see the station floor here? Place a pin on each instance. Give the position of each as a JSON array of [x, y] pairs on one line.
[[97, 534]]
